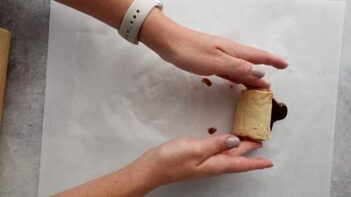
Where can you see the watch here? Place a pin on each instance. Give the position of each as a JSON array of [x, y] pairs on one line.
[[135, 17]]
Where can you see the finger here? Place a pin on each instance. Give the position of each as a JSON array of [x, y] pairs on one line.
[[256, 56], [239, 68], [244, 164], [256, 83], [231, 79], [220, 164], [245, 147], [218, 143], [249, 83]]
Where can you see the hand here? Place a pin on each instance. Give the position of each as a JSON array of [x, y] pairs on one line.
[[204, 54], [188, 158], [176, 160]]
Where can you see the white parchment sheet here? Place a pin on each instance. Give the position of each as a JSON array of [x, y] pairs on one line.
[[108, 101]]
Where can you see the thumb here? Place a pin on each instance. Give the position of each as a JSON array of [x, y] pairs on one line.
[[218, 143]]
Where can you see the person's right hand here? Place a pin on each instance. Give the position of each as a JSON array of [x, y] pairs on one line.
[[189, 158]]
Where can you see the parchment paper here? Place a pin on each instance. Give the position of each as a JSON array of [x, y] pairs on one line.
[[108, 101]]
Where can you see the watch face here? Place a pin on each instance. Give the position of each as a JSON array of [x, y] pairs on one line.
[[158, 1]]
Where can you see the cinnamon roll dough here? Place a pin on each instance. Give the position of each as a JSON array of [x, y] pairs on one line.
[[253, 114]]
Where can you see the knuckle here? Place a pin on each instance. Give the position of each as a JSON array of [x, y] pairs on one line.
[[237, 162], [231, 47], [186, 140], [234, 52], [197, 150], [186, 143], [182, 142], [243, 67], [218, 145], [219, 69]]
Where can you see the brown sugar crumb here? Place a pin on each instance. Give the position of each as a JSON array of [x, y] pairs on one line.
[[212, 130], [207, 82]]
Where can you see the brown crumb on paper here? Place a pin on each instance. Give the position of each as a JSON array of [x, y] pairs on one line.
[[212, 130], [207, 82]]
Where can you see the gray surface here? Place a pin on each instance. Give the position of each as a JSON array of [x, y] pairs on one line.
[[20, 135], [341, 179]]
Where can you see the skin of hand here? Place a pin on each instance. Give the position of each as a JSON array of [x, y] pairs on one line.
[[192, 51], [205, 54], [189, 158], [176, 160]]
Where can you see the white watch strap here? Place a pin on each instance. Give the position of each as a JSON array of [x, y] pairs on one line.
[[135, 17]]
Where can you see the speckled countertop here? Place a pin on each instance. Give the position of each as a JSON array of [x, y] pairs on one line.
[[20, 134]]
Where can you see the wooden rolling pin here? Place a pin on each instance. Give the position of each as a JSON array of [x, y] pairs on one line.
[[5, 38]]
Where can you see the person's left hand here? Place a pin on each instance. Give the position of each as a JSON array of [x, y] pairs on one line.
[[204, 54], [189, 158]]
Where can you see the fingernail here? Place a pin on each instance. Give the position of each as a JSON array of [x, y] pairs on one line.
[[269, 84], [286, 64], [233, 142], [270, 165], [258, 73]]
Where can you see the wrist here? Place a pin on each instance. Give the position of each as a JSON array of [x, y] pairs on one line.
[[136, 179], [140, 176], [156, 32]]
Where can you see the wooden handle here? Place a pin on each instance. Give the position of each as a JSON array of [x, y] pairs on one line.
[[5, 38]]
